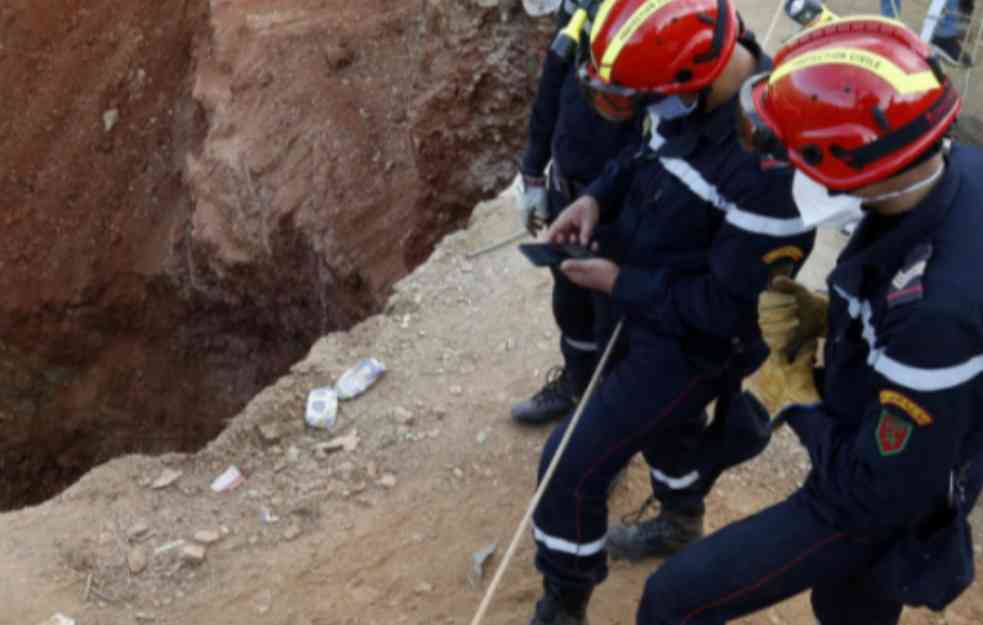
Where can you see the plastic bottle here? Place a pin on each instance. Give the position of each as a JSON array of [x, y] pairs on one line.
[[359, 378]]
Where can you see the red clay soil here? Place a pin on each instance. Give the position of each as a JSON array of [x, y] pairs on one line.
[[193, 192]]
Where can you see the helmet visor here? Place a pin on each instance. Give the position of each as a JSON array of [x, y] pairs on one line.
[[754, 134], [612, 102]]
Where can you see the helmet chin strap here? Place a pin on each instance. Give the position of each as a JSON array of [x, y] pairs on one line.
[[921, 184]]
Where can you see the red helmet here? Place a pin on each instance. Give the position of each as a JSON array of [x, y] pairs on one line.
[[850, 103], [642, 49]]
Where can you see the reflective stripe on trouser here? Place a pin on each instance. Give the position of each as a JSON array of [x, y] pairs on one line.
[[676, 465], [646, 398], [765, 559]]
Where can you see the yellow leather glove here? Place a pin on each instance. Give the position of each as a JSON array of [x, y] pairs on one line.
[[781, 382], [790, 315]]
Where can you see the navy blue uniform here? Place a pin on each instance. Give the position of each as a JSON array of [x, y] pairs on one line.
[[563, 126], [896, 444], [696, 225]]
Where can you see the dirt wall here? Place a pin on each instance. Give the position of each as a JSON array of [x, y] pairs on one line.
[[196, 190]]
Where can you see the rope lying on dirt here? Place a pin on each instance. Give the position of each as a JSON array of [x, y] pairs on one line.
[[524, 524]]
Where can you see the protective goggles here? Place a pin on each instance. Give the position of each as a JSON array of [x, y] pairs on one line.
[[612, 102], [755, 135]]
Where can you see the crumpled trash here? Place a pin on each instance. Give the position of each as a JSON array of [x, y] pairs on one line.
[[359, 378], [478, 560], [537, 8], [322, 408], [229, 479]]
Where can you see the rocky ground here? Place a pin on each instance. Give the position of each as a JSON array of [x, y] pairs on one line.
[[381, 532], [429, 470]]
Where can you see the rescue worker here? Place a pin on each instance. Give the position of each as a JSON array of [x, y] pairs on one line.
[[565, 128], [688, 230], [860, 108]]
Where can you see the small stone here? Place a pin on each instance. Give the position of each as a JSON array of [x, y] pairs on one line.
[[293, 454], [207, 537], [482, 437], [388, 481], [138, 531], [193, 554], [263, 601], [109, 119], [348, 443], [137, 560], [458, 473], [372, 470], [145, 617], [424, 588], [292, 532], [403, 416], [456, 390], [269, 432], [167, 477]]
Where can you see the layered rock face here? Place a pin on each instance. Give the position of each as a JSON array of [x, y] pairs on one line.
[[193, 191]]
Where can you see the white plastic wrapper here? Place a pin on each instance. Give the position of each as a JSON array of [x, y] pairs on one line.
[[229, 480], [322, 408], [537, 8]]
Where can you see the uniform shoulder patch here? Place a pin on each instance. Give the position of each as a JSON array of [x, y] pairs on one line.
[[906, 287], [908, 406], [892, 433], [793, 253]]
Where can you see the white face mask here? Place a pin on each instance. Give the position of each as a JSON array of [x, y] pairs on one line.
[[672, 107], [819, 208]]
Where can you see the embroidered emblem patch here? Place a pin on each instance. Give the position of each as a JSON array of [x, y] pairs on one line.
[[906, 287], [915, 412], [893, 433], [793, 253]]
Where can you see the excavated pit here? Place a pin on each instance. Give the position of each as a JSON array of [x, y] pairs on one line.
[[194, 191]]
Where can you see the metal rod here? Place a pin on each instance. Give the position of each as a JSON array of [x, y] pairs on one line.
[[518, 236]]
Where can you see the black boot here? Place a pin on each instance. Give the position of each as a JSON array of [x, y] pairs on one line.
[[660, 537], [554, 401], [561, 606]]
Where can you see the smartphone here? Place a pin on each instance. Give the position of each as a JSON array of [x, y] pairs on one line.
[[552, 254]]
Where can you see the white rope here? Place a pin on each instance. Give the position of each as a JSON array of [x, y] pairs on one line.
[[524, 524], [774, 23]]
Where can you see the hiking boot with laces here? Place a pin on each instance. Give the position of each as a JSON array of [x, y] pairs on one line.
[[660, 537], [561, 607], [554, 401]]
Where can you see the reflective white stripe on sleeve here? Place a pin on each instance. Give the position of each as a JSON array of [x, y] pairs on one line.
[[583, 346], [916, 378], [565, 546], [736, 216], [676, 483]]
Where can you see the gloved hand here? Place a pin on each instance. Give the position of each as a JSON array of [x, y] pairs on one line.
[[791, 315], [532, 203], [781, 382]]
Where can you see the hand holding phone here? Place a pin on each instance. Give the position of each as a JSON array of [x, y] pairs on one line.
[[553, 254]]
